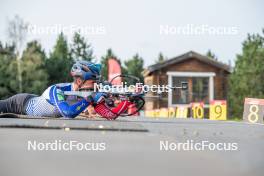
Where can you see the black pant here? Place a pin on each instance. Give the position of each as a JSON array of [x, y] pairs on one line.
[[15, 104]]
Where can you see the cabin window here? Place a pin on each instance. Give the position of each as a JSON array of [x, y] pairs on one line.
[[198, 90], [200, 87]]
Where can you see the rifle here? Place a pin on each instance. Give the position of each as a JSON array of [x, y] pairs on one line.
[[136, 96]]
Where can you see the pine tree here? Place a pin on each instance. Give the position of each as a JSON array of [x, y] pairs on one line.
[[161, 58], [134, 66], [59, 63], [33, 72], [104, 63], [7, 57], [247, 76], [211, 55], [35, 77], [80, 49]]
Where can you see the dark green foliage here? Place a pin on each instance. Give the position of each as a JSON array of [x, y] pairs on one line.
[[211, 55], [35, 77], [7, 56], [134, 66], [161, 58], [104, 63], [80, 49], [59, 64], [37, 70], [248, 75], [33, 71]]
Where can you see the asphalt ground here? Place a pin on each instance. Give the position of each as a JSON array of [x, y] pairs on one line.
[[132, 147]]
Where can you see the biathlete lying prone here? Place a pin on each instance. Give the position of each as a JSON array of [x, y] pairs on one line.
[[54, 103]]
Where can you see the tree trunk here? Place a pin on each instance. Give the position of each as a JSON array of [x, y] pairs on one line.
[[19, 74]]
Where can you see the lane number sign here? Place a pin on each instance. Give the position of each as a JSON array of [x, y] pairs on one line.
[[197, 110], [182, 112], [253, 110], [217, 110]]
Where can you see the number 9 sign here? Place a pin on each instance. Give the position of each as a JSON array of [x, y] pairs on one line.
[[218, 110]]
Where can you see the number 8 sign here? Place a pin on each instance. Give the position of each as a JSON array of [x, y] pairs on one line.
[[253, 110], [218, 110]]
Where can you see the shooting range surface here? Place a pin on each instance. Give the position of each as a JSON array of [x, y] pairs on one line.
[[132, 147]]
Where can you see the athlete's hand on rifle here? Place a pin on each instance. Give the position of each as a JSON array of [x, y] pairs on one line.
[[97, 97], [89, 112]]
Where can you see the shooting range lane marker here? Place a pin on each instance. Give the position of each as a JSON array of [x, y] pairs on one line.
[[67, 125]]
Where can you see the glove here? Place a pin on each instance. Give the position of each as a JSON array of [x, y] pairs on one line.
[[98, 97]]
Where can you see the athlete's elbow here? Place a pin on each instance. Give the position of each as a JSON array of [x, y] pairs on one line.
[[68, 114]]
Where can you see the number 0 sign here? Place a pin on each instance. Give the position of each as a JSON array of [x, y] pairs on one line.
[[218, 110], [253, 110]]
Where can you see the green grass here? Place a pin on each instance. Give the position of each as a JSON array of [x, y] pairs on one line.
[[236, 119]]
